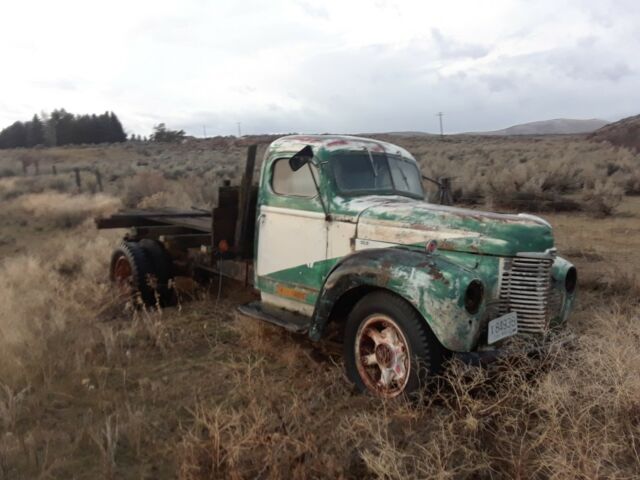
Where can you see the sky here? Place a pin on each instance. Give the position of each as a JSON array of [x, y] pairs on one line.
[[341, 66]]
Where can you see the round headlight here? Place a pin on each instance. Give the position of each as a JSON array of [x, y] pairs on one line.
[[571, 280], [473, 296]]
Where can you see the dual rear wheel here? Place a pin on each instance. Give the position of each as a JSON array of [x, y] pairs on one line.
[[142, 271]]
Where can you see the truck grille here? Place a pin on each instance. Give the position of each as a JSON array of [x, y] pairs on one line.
[[525, 288]]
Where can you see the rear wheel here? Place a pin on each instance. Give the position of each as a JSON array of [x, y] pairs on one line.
[[131, 271], [389, 349], [162, 270]]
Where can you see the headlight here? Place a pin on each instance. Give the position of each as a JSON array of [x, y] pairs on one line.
[[571, 280], [473, 296]]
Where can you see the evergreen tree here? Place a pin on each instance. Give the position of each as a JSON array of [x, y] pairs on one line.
[[116, 131], [162, 134], [14, 136], [63, 128], [34, 132]]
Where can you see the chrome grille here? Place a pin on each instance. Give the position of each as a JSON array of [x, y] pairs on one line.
[[525, 288], [555, 302]]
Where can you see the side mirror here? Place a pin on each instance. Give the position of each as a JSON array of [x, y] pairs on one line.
[[301, 158]]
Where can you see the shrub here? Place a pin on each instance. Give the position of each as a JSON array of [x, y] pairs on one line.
[[143, 184], [603, 199]]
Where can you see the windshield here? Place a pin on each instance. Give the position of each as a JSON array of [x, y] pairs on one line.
[[366, 172]]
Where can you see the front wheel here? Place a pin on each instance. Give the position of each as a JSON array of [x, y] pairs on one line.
[[389, 349]]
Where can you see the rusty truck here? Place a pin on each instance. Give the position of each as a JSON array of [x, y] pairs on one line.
[[337, 236]]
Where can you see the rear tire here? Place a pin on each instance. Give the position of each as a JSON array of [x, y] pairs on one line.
[[389, 349], [162, 269], [130, 270]]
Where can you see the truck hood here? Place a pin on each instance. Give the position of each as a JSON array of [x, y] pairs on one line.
[[400, 220]]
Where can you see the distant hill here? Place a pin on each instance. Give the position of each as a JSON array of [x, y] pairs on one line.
[[410, 134], [623, 133], [558, 126]]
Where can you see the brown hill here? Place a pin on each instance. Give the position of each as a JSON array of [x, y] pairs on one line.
[[556, 126], [623, 133]]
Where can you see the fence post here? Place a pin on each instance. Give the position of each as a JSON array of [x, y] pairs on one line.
[[37, 165], [99, 180], [54, 170], [444, 191], [78, 183], [24, 166]]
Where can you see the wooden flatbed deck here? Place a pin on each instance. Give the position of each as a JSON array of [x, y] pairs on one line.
[[197, 220]]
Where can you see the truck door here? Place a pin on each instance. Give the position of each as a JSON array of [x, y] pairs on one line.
[[292, 238]]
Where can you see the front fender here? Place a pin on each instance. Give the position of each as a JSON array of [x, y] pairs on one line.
[[432, 284]]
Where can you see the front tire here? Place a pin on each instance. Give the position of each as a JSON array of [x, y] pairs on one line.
[[389, 349]]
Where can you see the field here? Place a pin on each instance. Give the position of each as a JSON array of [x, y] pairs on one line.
[[91, 389]]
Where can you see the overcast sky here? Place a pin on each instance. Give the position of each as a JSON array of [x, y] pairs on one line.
[[321, 66]]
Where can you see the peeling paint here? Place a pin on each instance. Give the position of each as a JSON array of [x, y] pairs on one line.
[[379, 241]]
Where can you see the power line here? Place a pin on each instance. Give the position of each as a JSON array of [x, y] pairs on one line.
[[440, 114]]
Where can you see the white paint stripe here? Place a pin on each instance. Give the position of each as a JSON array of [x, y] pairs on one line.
[[405, 234], [362, 244], [291, 212], [290, 238]]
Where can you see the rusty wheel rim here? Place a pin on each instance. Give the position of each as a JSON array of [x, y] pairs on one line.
[[382, 356], [122, 275]]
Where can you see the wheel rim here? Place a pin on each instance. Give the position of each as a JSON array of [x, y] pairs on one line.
[[382, 356], [122, 274]]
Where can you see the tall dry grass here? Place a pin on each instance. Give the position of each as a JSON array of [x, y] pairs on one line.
[[573, 414], [63, 210], [89, 390], [44, 294]]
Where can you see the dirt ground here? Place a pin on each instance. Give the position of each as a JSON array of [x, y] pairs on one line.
[[90, 389]]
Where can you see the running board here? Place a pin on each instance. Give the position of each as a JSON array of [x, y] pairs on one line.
[[293, 322]]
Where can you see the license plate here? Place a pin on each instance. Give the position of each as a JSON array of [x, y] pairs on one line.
[[503, 327]]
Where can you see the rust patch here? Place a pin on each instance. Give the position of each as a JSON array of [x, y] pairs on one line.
[[437, 274], [291, 292]]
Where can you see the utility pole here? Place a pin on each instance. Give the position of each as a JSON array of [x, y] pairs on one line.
[[204, 131], [440, 114], [239, 129]]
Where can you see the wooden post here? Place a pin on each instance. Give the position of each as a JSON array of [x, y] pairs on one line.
[[78, 182], [24, 166], [444, 191], [37, 165], [54, 170], [244, 201], [99, 180]]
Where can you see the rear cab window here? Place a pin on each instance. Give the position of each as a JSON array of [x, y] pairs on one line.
[[284, 181]]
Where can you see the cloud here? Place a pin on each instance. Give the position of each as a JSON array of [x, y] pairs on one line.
[[338, 66], [450, 48], [56, 84], [313, 10]]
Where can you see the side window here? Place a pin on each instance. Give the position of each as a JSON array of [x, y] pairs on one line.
[[285, 181]]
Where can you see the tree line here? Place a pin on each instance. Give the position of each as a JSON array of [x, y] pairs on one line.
[[63, 128]]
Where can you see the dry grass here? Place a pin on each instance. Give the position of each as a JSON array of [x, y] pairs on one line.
[[546, 174], [64, 210], [532, 174], [91, 390]]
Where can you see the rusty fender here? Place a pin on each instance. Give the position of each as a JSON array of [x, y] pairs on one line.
[[434, 286]]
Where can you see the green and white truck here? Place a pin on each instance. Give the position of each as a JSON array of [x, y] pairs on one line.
[[337, 237]]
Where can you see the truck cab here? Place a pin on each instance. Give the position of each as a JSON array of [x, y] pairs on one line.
[[343, 236]]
